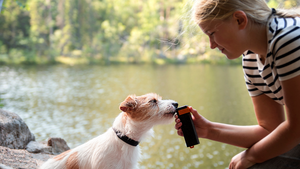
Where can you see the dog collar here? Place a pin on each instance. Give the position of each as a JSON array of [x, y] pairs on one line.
[[125, 138]]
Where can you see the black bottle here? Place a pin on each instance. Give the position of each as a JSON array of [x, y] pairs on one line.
[[188, 128]]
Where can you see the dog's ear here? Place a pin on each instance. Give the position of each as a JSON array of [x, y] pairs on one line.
[[128, 104]]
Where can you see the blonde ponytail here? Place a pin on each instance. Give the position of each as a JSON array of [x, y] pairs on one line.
[[257, 11], [291, 13]]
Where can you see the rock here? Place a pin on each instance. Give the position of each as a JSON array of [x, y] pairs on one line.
[[58, 145], [53, 146], [288, 160], [2, 166], [17, 158], [14, 133], [41, 158], [21, 159], [37, 147]]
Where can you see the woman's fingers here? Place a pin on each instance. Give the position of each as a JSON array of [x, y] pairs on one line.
[[178, 125], [179, 132], [194, 112]]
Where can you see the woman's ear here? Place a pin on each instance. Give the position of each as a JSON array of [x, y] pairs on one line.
[[241, 19]]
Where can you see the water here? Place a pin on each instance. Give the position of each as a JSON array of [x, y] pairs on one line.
[[78, 103]]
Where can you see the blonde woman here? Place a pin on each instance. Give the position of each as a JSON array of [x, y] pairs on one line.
[[269, 42]]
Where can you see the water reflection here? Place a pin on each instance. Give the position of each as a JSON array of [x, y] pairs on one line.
[[79, 103]]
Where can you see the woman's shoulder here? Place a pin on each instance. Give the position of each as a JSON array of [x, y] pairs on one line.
[[283, 32], [284, 47], [278, 26], [283, 22]]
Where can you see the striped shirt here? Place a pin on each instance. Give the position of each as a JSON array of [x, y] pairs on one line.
[[282, 61]]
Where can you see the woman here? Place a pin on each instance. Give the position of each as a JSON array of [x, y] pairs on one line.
[[269, 41]]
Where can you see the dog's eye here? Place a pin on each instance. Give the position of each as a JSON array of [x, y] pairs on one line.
[[153, 101]]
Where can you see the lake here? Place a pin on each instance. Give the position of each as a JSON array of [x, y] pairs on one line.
[[77, 103]]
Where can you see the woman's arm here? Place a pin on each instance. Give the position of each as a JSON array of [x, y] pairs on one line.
[[287, 134], [269, 115]]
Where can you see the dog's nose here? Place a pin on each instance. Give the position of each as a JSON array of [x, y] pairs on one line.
[[175, 105]]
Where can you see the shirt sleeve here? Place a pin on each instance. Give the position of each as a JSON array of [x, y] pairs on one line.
[[287, 53], [253, 91]]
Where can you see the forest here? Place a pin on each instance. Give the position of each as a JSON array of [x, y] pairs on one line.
[[105, 32]]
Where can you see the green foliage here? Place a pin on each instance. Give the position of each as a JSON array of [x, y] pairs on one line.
[[104, 32]]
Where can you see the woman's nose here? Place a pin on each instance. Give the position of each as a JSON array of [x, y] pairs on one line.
[[213, 44]]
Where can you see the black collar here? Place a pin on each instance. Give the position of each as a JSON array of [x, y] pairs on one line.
[[125, 138]]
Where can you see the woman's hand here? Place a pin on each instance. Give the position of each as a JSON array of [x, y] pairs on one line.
[[201, 124], [240, 161]]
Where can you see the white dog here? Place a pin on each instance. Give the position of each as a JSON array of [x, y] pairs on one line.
[[118, 147]]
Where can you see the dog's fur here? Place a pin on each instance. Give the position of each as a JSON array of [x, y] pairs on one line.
[[139, 114]]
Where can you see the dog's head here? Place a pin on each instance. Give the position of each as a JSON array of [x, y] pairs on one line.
[[148, 107]]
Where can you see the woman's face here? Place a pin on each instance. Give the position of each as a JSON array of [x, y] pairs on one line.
[[224, 35]]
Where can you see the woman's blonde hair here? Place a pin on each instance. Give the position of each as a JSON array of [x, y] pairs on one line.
[[257, 11]]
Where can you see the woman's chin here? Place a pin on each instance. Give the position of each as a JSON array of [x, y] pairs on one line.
[[232, 57]]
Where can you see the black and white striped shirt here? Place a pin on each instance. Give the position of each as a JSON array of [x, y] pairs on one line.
[[282, 61]]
